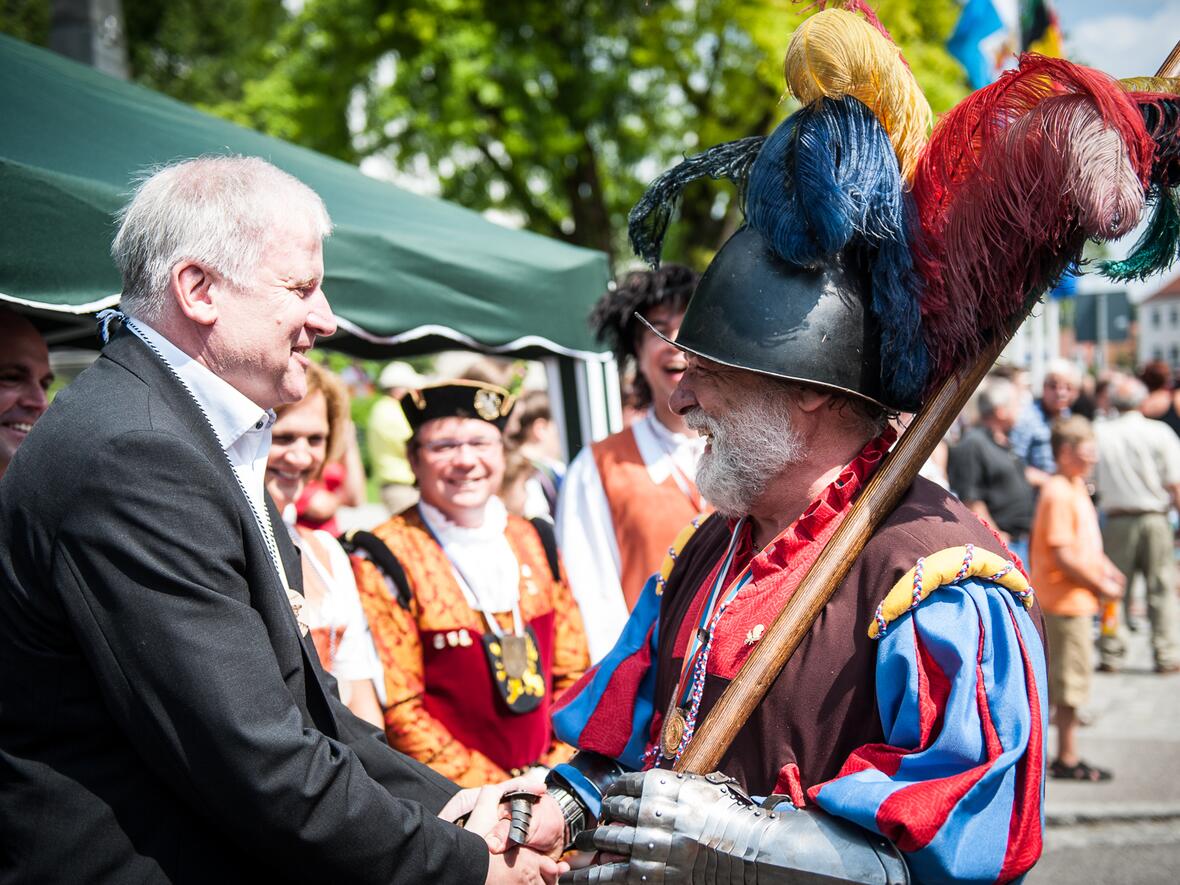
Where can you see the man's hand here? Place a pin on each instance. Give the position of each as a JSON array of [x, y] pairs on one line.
[[484, 812], [488, 816], [523, 865]]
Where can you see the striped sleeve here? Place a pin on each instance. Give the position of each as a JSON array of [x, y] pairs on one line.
[[959, 784], [609, 710]]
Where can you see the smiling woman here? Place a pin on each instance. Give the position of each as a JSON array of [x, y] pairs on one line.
[[305, 435]]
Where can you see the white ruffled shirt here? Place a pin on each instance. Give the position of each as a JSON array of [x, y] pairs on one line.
[[356, 657], [482, 558]]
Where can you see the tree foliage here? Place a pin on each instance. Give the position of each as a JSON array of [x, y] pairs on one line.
[[557, 112], [202, 52]]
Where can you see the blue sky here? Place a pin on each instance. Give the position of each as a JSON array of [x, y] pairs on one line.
[[1125, 38]]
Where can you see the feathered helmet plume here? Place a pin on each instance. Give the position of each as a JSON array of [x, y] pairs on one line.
[[1014, 180], [1158, 100], [958, 235]]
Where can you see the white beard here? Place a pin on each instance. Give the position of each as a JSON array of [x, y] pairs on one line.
[[747, 448]]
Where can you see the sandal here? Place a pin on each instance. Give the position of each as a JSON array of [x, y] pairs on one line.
[[1079, 772]]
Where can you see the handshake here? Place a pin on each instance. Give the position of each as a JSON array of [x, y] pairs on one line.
[[517, 855]]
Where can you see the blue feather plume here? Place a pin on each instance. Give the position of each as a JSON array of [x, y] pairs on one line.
[[826, 180], [648, 221]]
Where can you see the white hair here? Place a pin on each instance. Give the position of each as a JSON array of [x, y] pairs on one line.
[[994, 394], [748, 447], [215, 210], [1063, 368], [1127, 393]]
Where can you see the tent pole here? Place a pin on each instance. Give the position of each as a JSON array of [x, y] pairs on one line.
[[564, 394]]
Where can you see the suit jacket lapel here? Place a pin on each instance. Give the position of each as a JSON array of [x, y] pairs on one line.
[[292, 559], [270, 597], [126, 349]]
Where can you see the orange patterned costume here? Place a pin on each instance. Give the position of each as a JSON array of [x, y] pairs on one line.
[[441, 705]]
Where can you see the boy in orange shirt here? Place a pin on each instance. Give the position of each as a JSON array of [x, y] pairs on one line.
[[1071, 574]]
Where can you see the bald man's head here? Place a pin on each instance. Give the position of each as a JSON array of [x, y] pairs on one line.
[[24, 379]]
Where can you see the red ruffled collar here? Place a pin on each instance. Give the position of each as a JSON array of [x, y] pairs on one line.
[[831, 503]]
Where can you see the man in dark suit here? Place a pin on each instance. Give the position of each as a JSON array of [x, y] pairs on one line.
[[161, 717]]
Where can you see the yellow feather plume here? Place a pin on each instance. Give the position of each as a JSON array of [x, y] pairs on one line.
[[1165, 85], [837, 53]]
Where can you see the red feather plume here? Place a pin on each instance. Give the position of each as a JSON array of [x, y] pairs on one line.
[[1013, 181]]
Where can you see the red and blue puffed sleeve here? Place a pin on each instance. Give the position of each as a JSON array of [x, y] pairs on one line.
[[609, 710], [961, 691]]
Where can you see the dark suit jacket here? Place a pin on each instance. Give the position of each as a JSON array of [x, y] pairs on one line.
[[160, 718]]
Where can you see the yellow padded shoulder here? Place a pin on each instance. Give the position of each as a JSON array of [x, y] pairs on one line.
[[946, 567], [674, 551]]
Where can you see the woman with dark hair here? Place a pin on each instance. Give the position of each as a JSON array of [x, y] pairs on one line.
[[625, 498], [1161, 397]]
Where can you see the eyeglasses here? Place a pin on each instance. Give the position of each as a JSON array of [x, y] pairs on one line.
[[449, 448]]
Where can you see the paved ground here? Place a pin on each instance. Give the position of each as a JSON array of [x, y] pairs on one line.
[[1126, 830]]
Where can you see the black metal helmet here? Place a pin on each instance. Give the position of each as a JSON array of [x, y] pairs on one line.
[[752, 310], [818, 286]]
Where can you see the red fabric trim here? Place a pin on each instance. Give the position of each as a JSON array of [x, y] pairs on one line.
[[1024, 828], [913, 815], [608, 729], [884, 758], [777, 570], [933, 689], [790, 783], [990, 738]]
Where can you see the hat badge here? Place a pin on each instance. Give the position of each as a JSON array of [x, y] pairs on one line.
[[487, 404]]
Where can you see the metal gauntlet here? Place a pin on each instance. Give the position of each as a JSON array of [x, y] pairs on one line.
[[683, 828], [578, 786]]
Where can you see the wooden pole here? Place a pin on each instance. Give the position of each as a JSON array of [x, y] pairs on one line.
[[877, 501]]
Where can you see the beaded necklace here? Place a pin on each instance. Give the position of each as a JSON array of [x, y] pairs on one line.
[[681, 719]]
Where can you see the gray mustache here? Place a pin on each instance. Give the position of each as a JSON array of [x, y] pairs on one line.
[[698, 421]]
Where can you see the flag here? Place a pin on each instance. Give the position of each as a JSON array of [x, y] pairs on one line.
[[1039, 29], [986, 38]]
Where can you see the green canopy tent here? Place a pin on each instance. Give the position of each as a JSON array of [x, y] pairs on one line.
[[406, 274]]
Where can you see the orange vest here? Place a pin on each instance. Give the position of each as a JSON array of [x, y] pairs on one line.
[[646, 516], [443, 708]]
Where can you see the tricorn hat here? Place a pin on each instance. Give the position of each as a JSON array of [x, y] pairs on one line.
[[458, 399]]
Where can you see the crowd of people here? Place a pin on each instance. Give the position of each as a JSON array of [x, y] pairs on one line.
[[454, 626], [1083, 483]]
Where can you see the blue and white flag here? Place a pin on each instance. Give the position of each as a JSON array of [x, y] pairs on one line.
[[986, 39]]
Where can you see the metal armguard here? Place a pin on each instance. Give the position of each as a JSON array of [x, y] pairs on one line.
[[578, 786], [683, 828]]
